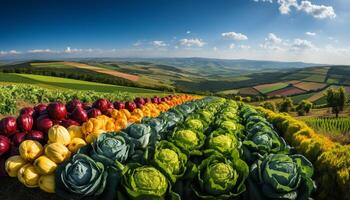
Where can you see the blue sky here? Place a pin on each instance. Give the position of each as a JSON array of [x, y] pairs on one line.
[[284, 30]]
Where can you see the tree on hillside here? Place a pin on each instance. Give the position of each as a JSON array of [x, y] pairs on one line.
[[269, 105], [304, 107], [286, 105], [336, 100]]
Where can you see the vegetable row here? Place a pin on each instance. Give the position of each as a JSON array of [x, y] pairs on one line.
[[331, 160], [37, 142], [206, 149]]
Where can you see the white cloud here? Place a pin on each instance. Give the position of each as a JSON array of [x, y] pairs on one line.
[[41, 51], [215, 49], [232, 46], [310, 33], [285, 5], [317, 11], [194, 42], [74, 50], [11, 52], [234, 36], [188, 32], [159, 43], [302, 44], [273, 42], [273, 39]]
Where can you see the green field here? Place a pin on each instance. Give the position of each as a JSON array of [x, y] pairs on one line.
[[298, 98], [65, 83], [329, 125], [270, 88]]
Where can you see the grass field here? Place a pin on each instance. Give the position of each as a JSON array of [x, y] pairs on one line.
[[310, 85], [267, 88], [316, 78], [298, 98], [65, 83], [229, 92]]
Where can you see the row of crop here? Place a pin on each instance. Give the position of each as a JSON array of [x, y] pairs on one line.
[[276, 171], [329, 125], [11, 94], [331, 160], [35, 127], [207, 154], [133, 151]]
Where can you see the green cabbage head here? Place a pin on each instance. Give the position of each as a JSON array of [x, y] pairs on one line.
[[170, 160], [220, 178], [188, 140], [256, 145], [220, 141], [194, 124], [144, 182], [110, 147], [279, 176], [80, 177]]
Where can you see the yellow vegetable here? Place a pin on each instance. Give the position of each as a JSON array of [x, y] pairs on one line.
[[47, 183], [28, 176], [76, 144], [92, 125], [57, 152], [30, 150], [44, 165], [93, 136], [75, 132], [59, 134], [13, 164]]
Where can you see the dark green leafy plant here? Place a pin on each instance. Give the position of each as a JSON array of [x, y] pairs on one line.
[[279, 176], [110, 147], [83, 177]]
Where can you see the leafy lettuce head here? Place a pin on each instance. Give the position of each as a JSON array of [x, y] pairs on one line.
[[188, 140], [170, 160], [220, 178], [144, 182], [194, 124], [222, 142]]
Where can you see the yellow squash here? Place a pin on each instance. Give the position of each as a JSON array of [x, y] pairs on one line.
[[13, 164], [59, 134], [47, 183], [57, 152], [76, 144], [44, 165], [30, 150], [28, 176]]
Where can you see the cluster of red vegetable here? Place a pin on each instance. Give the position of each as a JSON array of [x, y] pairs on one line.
[[33, 123]]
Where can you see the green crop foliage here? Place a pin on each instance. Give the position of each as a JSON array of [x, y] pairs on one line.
[[330, 125]]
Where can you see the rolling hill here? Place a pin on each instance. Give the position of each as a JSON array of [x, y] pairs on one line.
[[242, 77]]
